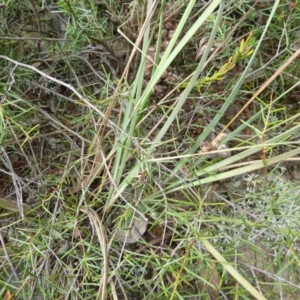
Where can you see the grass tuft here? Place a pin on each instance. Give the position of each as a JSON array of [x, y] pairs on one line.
[[149, 150]]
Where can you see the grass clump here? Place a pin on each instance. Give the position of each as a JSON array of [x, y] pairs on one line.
[[149, 151]]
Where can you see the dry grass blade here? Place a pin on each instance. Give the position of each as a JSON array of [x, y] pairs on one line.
[[13, 205], [102, 238], [264, 86], [96, 167]]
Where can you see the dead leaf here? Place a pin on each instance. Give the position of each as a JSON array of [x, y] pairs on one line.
[[8, 296], [134, 233], [37, 64]]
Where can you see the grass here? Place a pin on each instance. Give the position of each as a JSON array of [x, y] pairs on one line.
[[133, 174]]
